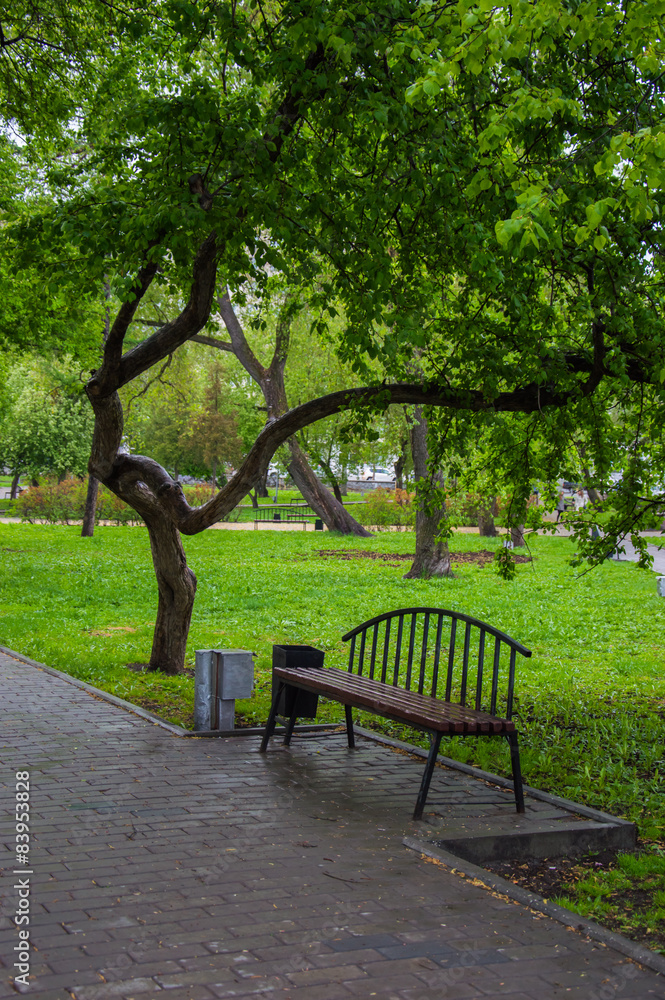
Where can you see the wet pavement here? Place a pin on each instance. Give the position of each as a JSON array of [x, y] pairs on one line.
[[195, 869]]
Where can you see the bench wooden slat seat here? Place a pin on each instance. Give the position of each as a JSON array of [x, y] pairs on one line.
[[415, 666], [420, 710]]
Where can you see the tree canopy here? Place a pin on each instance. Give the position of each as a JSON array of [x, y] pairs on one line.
[[477, 186]]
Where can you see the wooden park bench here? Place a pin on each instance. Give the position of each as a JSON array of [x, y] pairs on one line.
[[435, 670], [294, 512]]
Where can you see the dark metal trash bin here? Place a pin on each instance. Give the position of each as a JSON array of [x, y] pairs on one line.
[[298, 657]]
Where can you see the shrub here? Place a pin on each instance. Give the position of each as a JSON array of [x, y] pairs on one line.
[[387, 507], [112, 508], [64, 503], [53, 502], [197, 495]]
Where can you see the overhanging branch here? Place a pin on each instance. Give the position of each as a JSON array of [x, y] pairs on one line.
[[528, 399]]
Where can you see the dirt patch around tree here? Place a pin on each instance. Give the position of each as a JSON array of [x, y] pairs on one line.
[[632, 907], [144, 668], [482, 558]]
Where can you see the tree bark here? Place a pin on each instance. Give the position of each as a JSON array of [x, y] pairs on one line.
[[14, 488], [90, 507], [486, 525], [517, 536], [176, 587], [432, 557]]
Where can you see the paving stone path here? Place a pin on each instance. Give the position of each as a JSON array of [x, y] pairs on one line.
[[193, 869]]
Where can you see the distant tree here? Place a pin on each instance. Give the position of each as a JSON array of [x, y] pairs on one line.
[[432, 557], [271, 380], [212, 433], [46, 426]]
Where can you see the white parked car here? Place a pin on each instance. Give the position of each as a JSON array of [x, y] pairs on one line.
[[377, 475]]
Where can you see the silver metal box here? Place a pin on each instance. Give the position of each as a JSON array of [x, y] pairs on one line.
[[221, 676]]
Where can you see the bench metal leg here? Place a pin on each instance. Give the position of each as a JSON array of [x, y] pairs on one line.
[[270, 724], [435, 739], [349, 727], [517, 771], [292, 719]]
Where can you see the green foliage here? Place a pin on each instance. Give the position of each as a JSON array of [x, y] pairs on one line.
[[45, 422], [505, 564], [64, 503], [383, 508], [479, 183]]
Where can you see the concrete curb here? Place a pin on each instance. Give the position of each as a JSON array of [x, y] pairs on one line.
[[637, 952]]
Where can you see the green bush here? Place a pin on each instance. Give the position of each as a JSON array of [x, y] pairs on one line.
[[64, 503], [383, 508], [53, 502]]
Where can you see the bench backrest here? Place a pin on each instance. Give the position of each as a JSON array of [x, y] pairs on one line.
[[441, 653]]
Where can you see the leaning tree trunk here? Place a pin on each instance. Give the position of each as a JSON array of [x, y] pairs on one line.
[[432, 557], [176, 586], [14, 488], [271, 382], [90, 508], [331, 511]]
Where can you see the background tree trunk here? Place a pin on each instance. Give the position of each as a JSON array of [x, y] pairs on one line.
[[517, 536], [400, 463], [432, 557], [486, 525], [271, 382], [262, 485], [90, 507]]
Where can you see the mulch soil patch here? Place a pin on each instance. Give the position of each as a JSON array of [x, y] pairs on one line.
[[481, 558], [144, 668], [553, 878]]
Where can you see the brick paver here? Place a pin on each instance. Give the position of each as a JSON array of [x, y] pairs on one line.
[[198, 869]]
